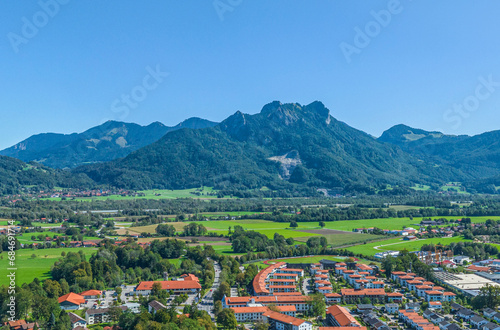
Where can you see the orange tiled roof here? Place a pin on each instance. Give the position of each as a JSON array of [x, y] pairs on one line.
[[341, 315], [169, 285], [370, 292], [72, 298], [284, 318], [91, 293], [342, 328]]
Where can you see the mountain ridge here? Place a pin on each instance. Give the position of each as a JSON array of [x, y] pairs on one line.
[[327, 153], [105, 142]]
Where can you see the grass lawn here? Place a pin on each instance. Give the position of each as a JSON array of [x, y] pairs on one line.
[[308, 260], [5, 222], [29, 268], [405, 207], [232, 214], [226, 249], [398, 244], [421, 187], [48, 225]]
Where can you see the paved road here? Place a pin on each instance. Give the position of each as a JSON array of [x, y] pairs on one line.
[[207, 302], [306, 285], [108, 298]]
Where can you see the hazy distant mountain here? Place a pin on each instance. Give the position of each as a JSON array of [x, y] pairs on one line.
[[105, 142], [478, 156], [283, 145]]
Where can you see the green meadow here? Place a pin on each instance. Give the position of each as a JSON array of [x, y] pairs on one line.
[[26, 237], [156, 194], [398, 244], [29, 268]]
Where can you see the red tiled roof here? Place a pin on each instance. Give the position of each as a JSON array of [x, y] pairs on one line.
[[332, 295], [395, 294], [369, 292], [282, 318], [169, 285], [341, 315], [190, 277], [342, 328], [478, 268], [91, 293], [282, 287], [72, 298], [259, 281], [243, 310]]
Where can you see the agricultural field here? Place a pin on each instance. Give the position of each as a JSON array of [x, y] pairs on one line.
[[398, 244], [407, 207], [45, 225], [26, 237], [155, 194], [336, 238], [392, 223], [304, 230], [307, 260], [29, 268]]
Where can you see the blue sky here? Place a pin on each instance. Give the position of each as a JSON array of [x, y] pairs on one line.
[[421, 63]]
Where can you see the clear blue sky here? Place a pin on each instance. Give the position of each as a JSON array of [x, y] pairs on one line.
[[67, 76]]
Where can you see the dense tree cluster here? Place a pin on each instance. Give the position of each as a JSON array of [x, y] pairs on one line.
[[477, 251]]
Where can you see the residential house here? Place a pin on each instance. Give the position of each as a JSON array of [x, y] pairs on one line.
[[100, 315], [477, 321], [155, 306], [76, 320], [391, 308]]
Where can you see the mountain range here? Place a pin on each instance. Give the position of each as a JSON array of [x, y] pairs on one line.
[[105, 142], [285, 146]]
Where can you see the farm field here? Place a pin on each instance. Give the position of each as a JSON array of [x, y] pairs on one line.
[[48, 225], [155, 194], [26, 237], [398, 244], [391, 223], [406, 207], [337, 238], [308, 259], [39, 267], [304, 229]]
